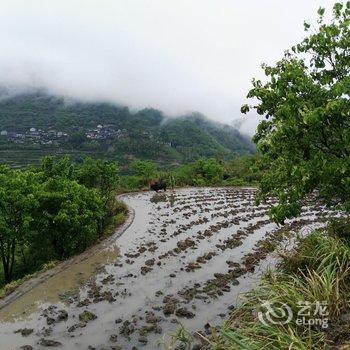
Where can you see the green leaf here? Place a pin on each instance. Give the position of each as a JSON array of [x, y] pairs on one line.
[[321, 11]]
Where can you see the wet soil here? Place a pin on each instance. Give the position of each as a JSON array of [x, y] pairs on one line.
[[186, 258]]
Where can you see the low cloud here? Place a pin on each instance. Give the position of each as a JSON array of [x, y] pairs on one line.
[[175, 55]]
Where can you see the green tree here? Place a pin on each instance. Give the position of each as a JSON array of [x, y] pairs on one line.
[[245, 168], [145, 169], [211, 170], [103, 176], [305, 138], [67, 218], [17, 201], [52, 212], [99, 174], [63, 167]]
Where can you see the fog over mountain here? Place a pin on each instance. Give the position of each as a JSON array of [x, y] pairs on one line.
[[174, 55]]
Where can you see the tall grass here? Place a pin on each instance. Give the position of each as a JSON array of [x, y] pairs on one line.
[[317, 270]]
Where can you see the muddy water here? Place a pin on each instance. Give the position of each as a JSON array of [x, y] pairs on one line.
[[186, 258]]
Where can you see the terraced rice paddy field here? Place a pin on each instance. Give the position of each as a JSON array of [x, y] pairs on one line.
[[185, 258]]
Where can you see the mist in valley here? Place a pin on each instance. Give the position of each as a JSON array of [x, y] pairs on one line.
[[175, 56]]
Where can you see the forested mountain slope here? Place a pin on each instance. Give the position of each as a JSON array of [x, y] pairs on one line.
[[36, 124]]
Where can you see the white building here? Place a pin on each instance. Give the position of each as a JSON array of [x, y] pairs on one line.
[[3, 133]]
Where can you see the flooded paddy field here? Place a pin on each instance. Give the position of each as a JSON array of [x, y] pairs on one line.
[[186, 258]]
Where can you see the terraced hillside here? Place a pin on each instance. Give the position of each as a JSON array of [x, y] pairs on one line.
[[37, 124]]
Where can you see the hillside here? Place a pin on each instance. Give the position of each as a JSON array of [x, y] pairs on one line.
[[34, 125]]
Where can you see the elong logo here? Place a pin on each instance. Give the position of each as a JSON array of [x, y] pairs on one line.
[[309, 314]]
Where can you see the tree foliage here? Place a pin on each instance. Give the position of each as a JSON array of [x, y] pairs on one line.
[[241, 170], [99, 174], [18, 200], [144, 169], [52, 212], [70, 214], [305, 137]]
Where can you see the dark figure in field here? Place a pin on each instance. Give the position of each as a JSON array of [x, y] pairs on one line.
[[157, 185]]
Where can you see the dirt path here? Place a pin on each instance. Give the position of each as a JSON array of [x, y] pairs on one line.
[[185, 258]]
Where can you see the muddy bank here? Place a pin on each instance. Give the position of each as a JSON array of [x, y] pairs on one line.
[[185, 258], [81, 266]]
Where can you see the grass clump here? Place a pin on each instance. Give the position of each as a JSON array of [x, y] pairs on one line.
[[316, 272]]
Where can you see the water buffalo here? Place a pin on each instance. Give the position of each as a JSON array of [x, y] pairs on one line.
[[157, 185]]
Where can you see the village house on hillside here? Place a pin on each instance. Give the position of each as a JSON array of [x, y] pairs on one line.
[[34, 135], [104, 132]]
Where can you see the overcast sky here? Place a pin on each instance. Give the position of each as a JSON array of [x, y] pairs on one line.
[[175, 55]]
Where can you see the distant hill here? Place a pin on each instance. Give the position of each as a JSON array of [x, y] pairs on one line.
[[33, 125]]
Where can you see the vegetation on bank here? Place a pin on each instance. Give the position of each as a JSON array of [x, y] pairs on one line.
[[240, 171], [316, 271], [302, 305], [54, 211], [51, 212], [304, 143], [304, 140]]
